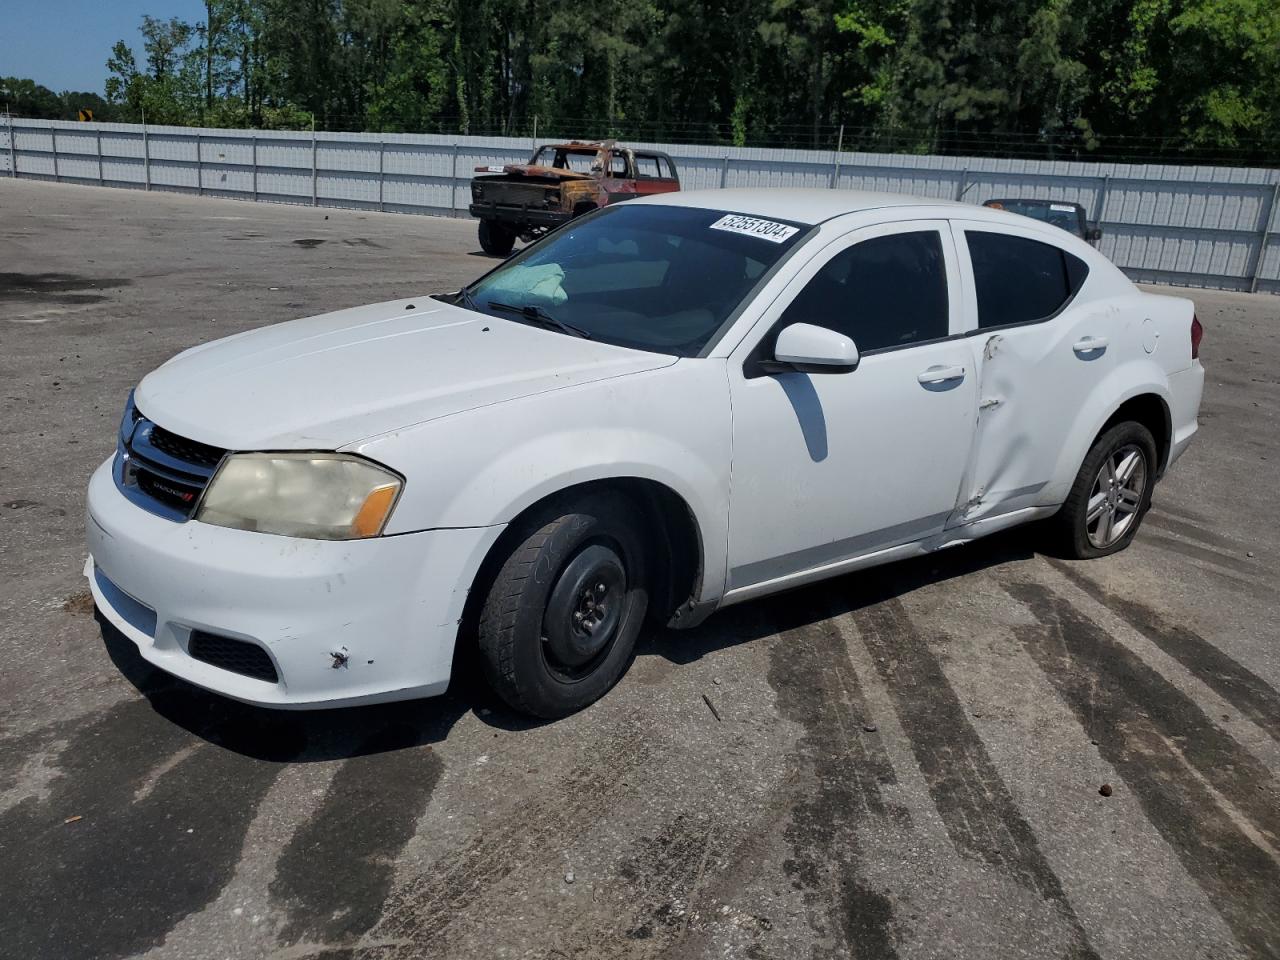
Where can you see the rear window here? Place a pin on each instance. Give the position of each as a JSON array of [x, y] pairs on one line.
[[1067, 216], [1020, 280], [578, 161]]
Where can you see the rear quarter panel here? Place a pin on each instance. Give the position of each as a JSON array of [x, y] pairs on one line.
[[1170, 320], [1150, 340]]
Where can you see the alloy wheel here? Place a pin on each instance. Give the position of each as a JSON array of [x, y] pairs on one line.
[[1117, 496]]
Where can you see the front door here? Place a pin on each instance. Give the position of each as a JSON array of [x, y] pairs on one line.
[[831, 466]]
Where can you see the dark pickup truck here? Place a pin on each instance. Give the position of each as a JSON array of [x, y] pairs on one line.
[[1060, 213], [562, 181]]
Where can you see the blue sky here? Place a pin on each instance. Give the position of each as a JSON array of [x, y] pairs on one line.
[[64, 44]]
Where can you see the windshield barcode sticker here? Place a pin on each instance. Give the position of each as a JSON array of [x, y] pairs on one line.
[[753, 227]]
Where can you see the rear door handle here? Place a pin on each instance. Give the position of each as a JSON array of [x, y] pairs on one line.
[[940, 374], [1089, 344]]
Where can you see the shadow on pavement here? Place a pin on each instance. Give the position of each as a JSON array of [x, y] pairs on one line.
[[802, 606], [317, 735], [306, 736]]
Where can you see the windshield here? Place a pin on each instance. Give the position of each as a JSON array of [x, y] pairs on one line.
[[651, 277], [1068, 216]]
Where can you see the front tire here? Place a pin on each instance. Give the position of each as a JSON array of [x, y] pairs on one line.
[[1111, 493], [560, 620], [495, 239]]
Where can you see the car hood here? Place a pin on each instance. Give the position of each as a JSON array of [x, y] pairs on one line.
[[532, 170], [328, 381]]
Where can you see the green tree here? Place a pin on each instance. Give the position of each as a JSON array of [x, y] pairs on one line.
[[1012, 76], [26, 98], [1207, 69], [410, 84], [165, 43]]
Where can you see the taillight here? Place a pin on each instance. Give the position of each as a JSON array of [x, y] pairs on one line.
[[1197, 334]]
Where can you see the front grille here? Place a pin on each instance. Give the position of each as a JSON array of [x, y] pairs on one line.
[[237, 656], [192, 451], [180, 496], [521, 194], [163, 472]]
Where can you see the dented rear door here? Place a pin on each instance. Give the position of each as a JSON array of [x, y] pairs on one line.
[[1033, 376]]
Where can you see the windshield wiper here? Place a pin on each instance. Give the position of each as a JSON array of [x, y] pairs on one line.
[[462, 298], [535, 314]]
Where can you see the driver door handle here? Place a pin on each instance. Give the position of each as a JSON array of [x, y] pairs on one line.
[[1089, 344], [940, 374]]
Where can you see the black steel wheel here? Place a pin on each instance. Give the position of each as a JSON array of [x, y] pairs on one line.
[[560, 619]]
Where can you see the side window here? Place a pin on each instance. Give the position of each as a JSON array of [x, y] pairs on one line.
[[884, 292], [647, 167], [664, 169], [617, 164], [1020, 280]]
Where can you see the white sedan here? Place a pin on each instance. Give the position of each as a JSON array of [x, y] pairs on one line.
[[664, 408]]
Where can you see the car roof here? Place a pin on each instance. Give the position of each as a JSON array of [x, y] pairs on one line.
[[798, 205]]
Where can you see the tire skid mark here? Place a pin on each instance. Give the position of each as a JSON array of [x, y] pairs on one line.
[[662, 881], [976, 807], [1191, 531], [817, 688], [337, 869], [114, 883], [419, 913], [1182, 513], [1141, 724], [1242, 568], [1231, 680]]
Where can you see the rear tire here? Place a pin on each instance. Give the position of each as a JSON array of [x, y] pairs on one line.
[[560, 620], [1111, 494], [495, 239]]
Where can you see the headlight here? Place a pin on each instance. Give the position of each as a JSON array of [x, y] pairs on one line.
[[323, 496]]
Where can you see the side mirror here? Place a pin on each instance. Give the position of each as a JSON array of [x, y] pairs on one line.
[[1093, 234], [807, 348]]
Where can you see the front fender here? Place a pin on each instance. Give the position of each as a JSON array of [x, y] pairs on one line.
[[485, 466]]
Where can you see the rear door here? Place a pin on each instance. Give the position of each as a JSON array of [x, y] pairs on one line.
[[1038, 354]]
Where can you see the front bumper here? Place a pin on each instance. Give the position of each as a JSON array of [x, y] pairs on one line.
[[389, 605], [519, 216]]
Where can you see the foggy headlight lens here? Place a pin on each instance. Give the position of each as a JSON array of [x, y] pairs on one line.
[[314, 495]]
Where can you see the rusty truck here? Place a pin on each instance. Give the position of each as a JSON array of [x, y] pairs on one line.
[[562, 181]]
